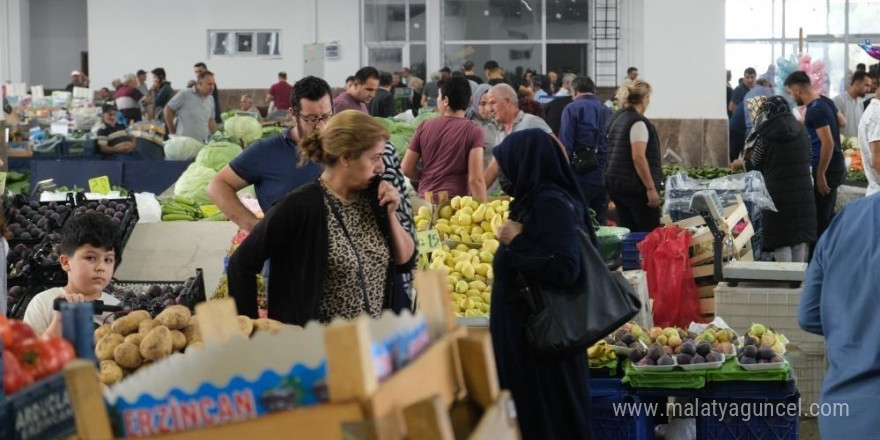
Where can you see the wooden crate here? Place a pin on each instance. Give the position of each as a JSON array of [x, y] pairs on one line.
[[703, 260], [456, 371]]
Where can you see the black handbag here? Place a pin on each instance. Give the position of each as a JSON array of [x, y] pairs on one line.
[[584, 160], [567, 320]]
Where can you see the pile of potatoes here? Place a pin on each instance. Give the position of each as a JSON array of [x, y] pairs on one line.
[[136, 340]]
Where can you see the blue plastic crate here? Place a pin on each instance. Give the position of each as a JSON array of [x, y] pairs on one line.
[[41, 410], [631, 240], [79, 147], [766, 427], [606, 425], [632, 258], [744, 389]]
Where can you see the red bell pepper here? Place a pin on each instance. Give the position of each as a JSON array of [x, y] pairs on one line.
[[14, 377]]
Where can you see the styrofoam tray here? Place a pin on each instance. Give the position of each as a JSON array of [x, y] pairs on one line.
[[657, 368], [703, 366], [763, 367], [625, 351]]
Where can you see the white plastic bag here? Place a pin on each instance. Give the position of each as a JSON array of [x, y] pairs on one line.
[[680, 188], [149, 209], [682, 429]]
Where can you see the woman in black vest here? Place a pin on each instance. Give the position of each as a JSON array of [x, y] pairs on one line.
[[779, 148], [633, 173]]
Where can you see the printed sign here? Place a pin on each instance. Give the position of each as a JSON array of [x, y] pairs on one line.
[[429, 241], [99, 185]]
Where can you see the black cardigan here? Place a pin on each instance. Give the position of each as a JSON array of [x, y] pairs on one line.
[[295, 238]]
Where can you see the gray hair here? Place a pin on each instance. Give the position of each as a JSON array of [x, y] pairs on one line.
[[568, 78], [435, 76], [128, 77], [504, 91], [246, 96], [416, 83]]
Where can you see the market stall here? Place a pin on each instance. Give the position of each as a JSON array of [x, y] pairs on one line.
[[702, 367], [417, 376]]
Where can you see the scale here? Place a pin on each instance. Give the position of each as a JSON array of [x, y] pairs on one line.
[[708, 205], [736, 272]]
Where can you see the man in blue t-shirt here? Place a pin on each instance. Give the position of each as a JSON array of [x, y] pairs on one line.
[[823, 125], [271, 164]]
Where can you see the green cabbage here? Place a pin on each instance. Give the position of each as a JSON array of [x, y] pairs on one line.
[[243, 130], [216, 155], [271, 130], [193, 183], [387, 122], [402, 132], [182, 148]]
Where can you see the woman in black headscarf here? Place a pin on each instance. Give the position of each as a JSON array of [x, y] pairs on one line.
[[539, 241], [779, 148]]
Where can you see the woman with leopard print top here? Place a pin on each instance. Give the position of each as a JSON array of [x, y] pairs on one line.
[[334, 245]]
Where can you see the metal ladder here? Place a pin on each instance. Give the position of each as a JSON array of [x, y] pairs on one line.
[[606, 38]]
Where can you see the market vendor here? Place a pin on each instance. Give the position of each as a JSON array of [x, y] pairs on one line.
[[114, 141], [334, 245]]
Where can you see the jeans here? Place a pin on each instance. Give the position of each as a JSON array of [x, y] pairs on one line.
[[825, 203], [596, 198], [791, 254]]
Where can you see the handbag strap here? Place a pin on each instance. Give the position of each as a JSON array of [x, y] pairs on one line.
[[334, 208]]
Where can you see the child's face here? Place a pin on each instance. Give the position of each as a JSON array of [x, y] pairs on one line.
[[89, 269]]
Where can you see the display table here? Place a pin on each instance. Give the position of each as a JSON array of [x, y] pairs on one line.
[[136, 175], [173, 251]]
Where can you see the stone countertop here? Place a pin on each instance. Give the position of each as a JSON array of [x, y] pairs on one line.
[[171, 251]]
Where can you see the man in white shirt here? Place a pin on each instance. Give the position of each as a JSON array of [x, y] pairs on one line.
[[850, 103], [869, 144], [565, 90]]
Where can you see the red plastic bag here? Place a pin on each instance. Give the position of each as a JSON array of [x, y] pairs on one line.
[[671, 284]]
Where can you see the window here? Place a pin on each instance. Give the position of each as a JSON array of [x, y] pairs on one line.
[[567, 20], [761, 31], [518, 34], [384, 59], [753, 19], [492, 19], [247, 43], [394, 34], [513, 57], [863, 17]]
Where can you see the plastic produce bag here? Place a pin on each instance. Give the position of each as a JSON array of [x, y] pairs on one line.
[[670, 277], [149, 209], [680, 188], [678, 429]]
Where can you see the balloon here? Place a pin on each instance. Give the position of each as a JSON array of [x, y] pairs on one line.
[[872, 50]]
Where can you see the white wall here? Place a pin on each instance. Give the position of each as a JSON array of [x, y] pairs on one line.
[[58, 30], [340, 21], [173, 34], [15, 40], [683, 53], [632, 36]]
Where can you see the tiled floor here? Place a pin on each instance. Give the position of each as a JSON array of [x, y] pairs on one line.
[[809, 429]]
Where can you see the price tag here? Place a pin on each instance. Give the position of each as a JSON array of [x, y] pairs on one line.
[[100, 185], [209, 210], [429, 241]]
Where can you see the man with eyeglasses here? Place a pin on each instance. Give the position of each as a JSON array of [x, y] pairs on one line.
[[271, 164]]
